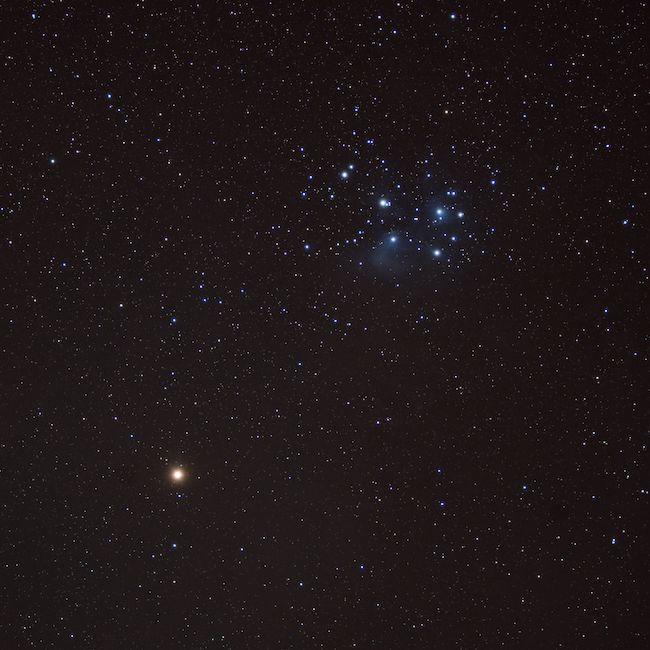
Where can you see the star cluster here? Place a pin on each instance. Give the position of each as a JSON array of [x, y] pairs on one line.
[[396, 225]]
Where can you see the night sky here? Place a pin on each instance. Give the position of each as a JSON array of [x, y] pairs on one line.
[[323, 325]]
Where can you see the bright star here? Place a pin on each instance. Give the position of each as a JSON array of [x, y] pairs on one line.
[[178, 474]]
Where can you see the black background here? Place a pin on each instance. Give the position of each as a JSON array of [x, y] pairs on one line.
[[383, 448]]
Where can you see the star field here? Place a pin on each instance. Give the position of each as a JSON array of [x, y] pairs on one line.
[[324, 325]]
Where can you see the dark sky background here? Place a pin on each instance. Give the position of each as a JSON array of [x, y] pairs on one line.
[[372, 275]]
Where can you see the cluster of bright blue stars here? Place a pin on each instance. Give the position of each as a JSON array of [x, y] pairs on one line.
[[419, 242], [405, 229]]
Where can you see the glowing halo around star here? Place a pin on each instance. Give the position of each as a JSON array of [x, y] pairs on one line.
[[178, 474]]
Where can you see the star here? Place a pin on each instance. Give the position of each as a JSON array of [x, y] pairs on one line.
[[178, 474]]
